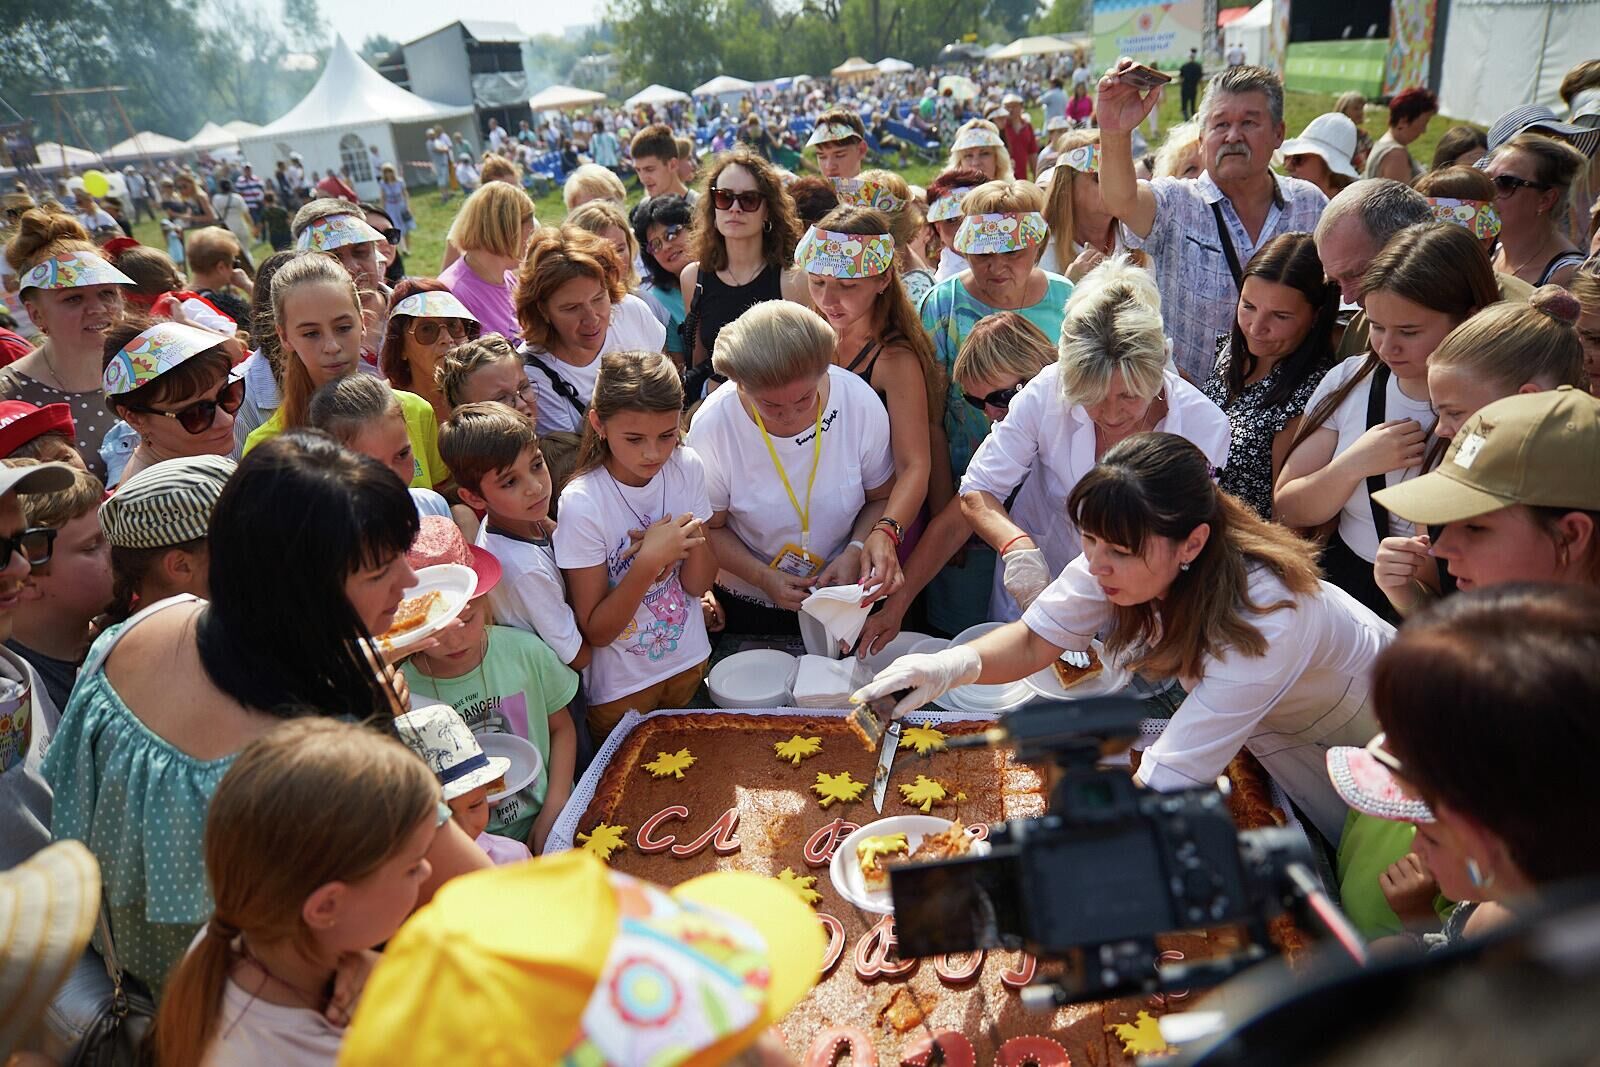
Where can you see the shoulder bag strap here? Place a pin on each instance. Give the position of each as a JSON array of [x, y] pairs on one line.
[[1227, 244], [562, 387], [1377, 393]]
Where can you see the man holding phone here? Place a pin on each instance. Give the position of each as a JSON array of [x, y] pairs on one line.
[[1201, 232]]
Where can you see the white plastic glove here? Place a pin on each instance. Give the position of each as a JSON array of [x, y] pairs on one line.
[[1026, 575], [927, 675]]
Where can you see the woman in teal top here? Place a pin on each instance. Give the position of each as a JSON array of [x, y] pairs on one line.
[[1002, 235], [662, 225], [307, 561]]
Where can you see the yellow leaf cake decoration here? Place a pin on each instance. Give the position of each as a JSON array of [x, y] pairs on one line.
[[800, 885], [1142, 1037], [840, 787], [798, 748], [924, 739], [603, 840], [673, 764], [875, 848], [924, 793]]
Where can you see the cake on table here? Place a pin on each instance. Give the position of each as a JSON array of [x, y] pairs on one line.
[[686, 793]]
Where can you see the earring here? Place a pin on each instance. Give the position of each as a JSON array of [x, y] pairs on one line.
[[766, 227], [1183, 567], [1476, 876]]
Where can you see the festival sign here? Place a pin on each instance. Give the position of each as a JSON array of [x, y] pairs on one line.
[[1159, 33]]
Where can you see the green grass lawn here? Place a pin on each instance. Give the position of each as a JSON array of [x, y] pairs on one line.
[[433, 218]]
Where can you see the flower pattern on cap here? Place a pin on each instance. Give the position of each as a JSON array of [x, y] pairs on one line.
[[948, 206], [976, 137], [1085, 159], [1479, 217], [433, 305], [1001, 232], [155, 351], [863, 193], [679, 978], [831, 131], [844, 255], [74, 270], [336, 231]]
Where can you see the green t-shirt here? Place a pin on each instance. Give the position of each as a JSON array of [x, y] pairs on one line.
[[1367, 848], [421, 426], [514, 690]]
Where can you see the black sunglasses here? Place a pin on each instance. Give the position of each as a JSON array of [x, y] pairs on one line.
[[426, 331], [197, 418], [1000, 398], [748, 201], [1510, 183], [35, 543], [392, 235]]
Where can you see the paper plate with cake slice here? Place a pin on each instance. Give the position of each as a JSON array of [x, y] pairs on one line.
[[1065, 681], [441, 593], [860, 866]]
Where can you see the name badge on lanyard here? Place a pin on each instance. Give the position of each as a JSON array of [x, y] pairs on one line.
[[797, 560]]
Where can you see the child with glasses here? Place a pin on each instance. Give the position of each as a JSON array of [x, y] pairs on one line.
[[486, 369]]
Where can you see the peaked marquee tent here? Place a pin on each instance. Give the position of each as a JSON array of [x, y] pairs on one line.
[[145, 143], [213, 139], [354, 119], [561, 97], [656, 95], [1499, 54]]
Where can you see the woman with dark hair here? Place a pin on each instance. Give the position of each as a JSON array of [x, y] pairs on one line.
[[1410, 111], [426, 320], [1268, 367], [662, 225], [166, 700], [1460, 146], [1185, 582]]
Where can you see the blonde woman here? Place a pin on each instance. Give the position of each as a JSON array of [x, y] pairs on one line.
[[978, 146], [1179, 156], [1586, 287], [1533, 176], [591, 182], [608, 221], [891, 195], [1082, 232], [492, 231], [396, 202]]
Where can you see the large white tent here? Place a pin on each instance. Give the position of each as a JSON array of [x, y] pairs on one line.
[[1023, 47], [351, 111], [656, 96], [724, 85], [1500, 54], [145, 143], [561, 97], [239, 127], [213, 139], [890, 65], [1252, 31], [54, 156]]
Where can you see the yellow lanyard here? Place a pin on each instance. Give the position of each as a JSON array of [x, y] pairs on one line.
[[783, 476]]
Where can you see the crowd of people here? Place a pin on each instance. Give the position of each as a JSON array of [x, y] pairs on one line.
[[1314, 456]]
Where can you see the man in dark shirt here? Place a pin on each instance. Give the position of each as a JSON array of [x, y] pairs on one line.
[[1189, 76]]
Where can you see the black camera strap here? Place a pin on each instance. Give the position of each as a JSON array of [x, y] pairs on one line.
[[1228, 250]]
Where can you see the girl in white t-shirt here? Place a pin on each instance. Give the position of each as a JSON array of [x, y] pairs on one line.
[[631, 545], [1369, 423], [314, 846]]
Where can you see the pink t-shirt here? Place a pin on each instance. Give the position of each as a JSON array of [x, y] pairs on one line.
[[503, 850], [491, 303]]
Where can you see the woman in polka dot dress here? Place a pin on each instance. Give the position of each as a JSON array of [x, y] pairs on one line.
[[74, 296]]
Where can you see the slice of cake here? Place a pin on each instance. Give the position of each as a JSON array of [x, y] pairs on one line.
[[945, 845], [873, 853], [1069, 676]]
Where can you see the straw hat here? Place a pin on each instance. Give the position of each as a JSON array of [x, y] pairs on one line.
[[48, 906]]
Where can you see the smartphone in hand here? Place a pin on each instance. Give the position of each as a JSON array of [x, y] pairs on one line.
[[1143, 77]]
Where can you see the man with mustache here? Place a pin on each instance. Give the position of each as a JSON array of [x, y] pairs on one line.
[[1201, 232]]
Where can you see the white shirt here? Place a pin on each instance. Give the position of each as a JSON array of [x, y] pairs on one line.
[[1307, 693], [1350, 420], [497, 137], [1080, 76], [430, 503], [1235, 55], [98, 218], [634, 328], [531, 594], [440, 145], [740, 480], [1047, 446], [668, 631], [250, 1032], [951, 263], [234, 213]]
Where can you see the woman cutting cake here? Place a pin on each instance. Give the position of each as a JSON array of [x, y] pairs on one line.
[[1180, 580]]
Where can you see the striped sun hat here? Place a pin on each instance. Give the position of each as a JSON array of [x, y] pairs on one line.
[[168, 504]]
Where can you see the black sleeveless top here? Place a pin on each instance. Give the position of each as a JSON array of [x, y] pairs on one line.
[[720, 303]]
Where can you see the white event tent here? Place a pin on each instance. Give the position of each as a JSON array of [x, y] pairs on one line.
[[214, 140], [145, 143], [239, 127], [655, 96], [890, 65], [562, 97], [1023, 47], [350, 112], [1501, 54], [55, 156]]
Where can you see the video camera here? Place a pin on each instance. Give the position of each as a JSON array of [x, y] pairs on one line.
[[1106, 869]]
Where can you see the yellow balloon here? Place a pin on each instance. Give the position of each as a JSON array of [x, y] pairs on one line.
[[95, 183]]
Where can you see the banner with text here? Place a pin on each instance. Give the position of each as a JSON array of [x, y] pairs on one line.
[[1149, 32]]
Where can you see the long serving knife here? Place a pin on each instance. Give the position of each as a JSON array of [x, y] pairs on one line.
[[880, 777]]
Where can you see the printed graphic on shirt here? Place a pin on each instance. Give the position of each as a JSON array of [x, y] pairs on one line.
[[658, 623]]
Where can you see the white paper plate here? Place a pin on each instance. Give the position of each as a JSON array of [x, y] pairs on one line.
[[986, 698], [845, 871], [455, 582], [904, 642], [1110, 680], [526, 763], [757, 678]]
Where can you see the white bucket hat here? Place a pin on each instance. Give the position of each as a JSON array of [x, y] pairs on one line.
[[441, 737], [1331, 136]]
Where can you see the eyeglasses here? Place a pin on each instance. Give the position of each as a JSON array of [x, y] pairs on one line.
[[35, 543], [426, 331], [656, 244], [1000, 398], [748, 202], [1507, 184], [392, 235], [509, 398], [197, 418]]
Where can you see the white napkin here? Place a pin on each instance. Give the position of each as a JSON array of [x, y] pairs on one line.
[[827, 683], [838, 608]]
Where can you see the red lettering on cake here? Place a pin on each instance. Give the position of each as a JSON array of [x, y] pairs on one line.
[[954, 1051], [1033, 1052], [978, 831], [1163, 999], [874, 954], [1020, 975], [651, 845], [951, 972], [821, 845], [830, 1043], [835, 930], [722, 836]]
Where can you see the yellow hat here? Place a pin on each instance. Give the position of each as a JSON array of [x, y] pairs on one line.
[[564, 958]]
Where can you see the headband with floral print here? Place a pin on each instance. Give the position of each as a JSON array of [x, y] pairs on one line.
[[1000, 232], [433, 305], [948, 206], [831, 131], [163, 347], [1479, 217], [336, 231], [844, 255], [863, 193], [74, 270], [1085, 159]]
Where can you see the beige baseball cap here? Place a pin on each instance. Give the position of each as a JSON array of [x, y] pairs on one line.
[[1540, 449]]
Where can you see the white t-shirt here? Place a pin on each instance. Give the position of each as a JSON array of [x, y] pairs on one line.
[[430, 503], [1047, 446], [531, 594], [855, 458], [634, 328], [951, 263], [668, 631], [1350, 420], [440, 145], [250, 1032], [497, 137], [1307, 693]]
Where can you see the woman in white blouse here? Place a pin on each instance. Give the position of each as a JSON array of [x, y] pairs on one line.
[[1111, 380], [1180, 580], [798, 467]]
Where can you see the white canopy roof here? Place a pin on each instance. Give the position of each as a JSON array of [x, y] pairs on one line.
[[146, 143], [561, 97], [240, 128], [50, 153], [1257, 18], [890, 65], [723, 83], [853, 67], [350, 93], [211, 137], [656, 94], [1032, 46]]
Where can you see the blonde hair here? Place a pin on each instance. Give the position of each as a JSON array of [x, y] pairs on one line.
[[1002, 345], [307, 268], [210, 247], [1181, 140], [311, 802], [1511, 343], [1348, 100], [593, 182], [1555, 163], [597, 216], [773, 344], [1001, 195], [464, 360], [1002, 155], [44, 233], [1113, 323], [1058, 214], [491, 220], [56, 509], [554, 258], [1585, 285], [628, 381], [499, 169]]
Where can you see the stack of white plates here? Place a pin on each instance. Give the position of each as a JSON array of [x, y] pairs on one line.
[[903, 643], [985, 698], [759, 678]]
